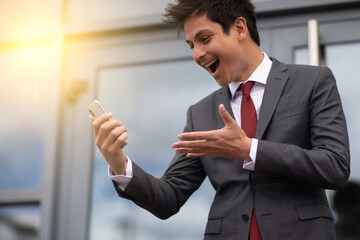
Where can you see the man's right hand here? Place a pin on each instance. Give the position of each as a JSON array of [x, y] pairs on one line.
[[110, 137]]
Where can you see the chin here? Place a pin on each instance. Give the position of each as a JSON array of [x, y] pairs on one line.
[[222, 82]]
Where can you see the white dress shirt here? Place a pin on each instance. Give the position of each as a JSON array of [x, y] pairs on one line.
[[259, 76]]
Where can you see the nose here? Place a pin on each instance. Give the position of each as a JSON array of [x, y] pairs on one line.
[[198, 53]]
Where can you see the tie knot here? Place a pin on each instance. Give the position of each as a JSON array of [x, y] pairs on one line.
[[246, 87]]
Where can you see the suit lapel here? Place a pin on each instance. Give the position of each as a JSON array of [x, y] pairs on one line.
[[276, 81], [223, 97], [275, 84]]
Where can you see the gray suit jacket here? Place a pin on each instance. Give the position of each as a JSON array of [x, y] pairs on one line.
[[303, 149]]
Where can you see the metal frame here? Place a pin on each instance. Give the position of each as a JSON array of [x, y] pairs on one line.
[[285, 6]]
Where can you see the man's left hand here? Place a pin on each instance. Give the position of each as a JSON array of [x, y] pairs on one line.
[[228, 142]]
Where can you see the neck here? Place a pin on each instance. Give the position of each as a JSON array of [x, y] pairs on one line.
[[252, 60]]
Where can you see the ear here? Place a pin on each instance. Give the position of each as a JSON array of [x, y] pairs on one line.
[[240, 28]]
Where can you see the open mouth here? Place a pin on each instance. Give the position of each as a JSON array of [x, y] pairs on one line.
[[213, 67]]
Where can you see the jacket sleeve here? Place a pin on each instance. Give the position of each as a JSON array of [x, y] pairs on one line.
[[164, 196]]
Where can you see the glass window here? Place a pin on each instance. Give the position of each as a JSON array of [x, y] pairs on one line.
[[344, 62], [19, 222], [24, 95], [98, 10], [151, 101], [301, 56]]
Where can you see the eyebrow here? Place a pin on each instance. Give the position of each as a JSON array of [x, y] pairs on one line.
[[197, 35]]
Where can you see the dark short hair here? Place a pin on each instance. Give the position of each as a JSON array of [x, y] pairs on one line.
[[224, 12]]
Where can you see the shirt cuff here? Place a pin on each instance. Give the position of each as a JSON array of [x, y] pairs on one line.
[[250, 165], [122, 180]]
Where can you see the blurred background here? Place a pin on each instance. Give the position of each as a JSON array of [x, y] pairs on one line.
[[57, 56]]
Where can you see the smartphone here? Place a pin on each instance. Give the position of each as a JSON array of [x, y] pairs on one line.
[[96, 110]]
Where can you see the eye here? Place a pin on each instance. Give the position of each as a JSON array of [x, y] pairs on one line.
[[205, 39]]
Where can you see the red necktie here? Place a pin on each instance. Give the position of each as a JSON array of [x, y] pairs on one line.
[[248, 124]]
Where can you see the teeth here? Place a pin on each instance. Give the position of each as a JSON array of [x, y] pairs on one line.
[[209, 64]]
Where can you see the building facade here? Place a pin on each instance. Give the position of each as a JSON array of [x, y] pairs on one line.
[[57, 56]]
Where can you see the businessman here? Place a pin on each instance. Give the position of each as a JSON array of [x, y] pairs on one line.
[[271, 139]]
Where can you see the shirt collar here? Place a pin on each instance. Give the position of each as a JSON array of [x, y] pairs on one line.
[[260, 75]]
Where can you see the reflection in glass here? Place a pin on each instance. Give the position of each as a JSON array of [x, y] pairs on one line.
[[151, 101], [347, 207], [24, 95], [19, 222]]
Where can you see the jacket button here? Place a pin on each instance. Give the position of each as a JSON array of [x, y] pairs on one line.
[[245, 217]]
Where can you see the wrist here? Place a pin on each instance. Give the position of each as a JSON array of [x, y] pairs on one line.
[[247, 149], [119, 169]]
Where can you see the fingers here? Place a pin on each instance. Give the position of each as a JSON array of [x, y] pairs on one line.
[[196, 145], [106, 128], [225, 115], [191, 151], [209, 135], [196, 148], [201, 135], [110, 138], [99, 121], [222, 142], [118, 144], [116, 137], [108, 133], [111, 146]]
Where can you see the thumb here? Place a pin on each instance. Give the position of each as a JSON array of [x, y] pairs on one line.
[[225, 115]]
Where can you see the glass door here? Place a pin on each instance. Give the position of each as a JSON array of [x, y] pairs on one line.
[[148, 85], [151, 100]]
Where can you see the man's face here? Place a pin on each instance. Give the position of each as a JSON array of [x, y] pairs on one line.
[[214, 50]]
